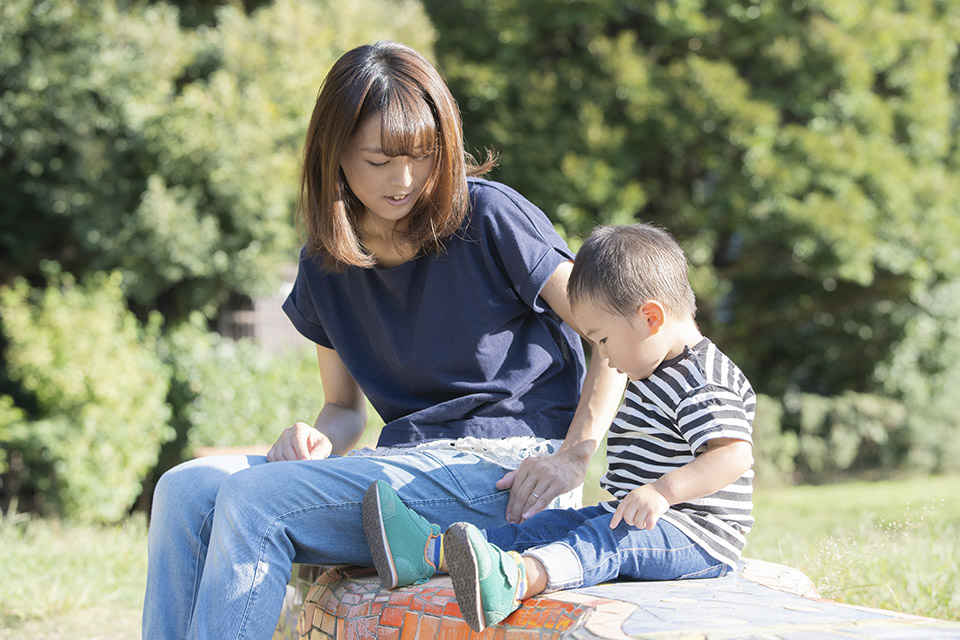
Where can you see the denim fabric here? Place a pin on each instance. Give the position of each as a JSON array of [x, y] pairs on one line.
[[578, 548], [225, 531]]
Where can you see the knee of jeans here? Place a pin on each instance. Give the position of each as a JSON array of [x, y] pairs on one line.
[[244, 495], [182, 487], [233, 492]]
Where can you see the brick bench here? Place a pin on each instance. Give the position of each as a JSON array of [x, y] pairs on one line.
[[762, 600]]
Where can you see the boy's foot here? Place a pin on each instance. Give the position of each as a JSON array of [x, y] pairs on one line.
[[488, 581], [398, 537]]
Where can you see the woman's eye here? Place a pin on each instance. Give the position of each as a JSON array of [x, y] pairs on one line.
[[602, 341], [378, 164]]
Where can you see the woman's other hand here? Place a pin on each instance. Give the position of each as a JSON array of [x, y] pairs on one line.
[[300, 442], [340, 423]]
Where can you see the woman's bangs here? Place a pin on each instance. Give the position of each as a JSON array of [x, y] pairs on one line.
[[408, 126]]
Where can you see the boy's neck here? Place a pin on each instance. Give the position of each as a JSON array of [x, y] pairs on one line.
[[684, 333]]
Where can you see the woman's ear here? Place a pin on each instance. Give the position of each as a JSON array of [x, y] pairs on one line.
[[652, 315]]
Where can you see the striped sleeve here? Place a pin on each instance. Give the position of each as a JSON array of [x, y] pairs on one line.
[[712, 411]]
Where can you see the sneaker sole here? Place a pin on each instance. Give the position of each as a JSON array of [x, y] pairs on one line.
[[465, 575], [377, 538]]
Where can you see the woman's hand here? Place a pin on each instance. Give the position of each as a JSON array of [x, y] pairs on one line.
[[540, 479], [300, 442]]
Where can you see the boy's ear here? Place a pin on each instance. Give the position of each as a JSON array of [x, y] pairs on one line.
[[653, 315]]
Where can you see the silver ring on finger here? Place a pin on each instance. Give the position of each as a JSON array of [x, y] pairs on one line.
[[535, 495]]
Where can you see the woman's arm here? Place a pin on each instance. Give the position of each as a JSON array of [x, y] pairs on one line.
[[550, 476], [338, 426]]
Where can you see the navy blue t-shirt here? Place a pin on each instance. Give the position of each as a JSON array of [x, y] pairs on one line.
[[459, 343]]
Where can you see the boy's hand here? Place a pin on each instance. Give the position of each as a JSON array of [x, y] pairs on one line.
[[641, 508]]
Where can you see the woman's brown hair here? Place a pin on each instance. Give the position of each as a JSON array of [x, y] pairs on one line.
[[418, 115]]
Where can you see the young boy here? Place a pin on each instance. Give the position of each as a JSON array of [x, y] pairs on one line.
[[679, 454]]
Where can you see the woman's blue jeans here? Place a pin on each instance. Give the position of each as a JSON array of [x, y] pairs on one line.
[[578, 548], [225, 531]]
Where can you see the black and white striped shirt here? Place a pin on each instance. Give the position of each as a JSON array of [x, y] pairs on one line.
[[665, 420]]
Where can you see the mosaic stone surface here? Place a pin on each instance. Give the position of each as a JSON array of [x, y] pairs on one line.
[[350, 604], [762, 601]]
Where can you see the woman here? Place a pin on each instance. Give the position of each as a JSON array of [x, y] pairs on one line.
[[438, 296]]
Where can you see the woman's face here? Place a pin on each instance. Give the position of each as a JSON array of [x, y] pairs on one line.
[[387, 186]]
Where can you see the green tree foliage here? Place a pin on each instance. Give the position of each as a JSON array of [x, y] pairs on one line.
[[171, 154], [924, 372], [99, 391], [77, 84], [804, 153]]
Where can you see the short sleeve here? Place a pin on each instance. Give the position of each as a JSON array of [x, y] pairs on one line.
[[712, 412], [300, 308], [522, 239]]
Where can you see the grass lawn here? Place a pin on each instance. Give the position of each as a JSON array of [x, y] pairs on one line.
[[892, 544], [71, 582]]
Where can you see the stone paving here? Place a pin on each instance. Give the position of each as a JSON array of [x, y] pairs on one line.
[[763, 601]]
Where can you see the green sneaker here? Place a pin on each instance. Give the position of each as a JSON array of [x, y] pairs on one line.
[[398, 537], [488, 581]]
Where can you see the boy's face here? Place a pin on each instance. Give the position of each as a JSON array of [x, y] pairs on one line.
[[634, 345]]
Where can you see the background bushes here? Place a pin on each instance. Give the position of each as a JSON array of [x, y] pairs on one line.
[[96, 411], [235, 392]]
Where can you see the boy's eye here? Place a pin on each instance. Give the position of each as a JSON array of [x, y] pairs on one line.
[[602, 341]]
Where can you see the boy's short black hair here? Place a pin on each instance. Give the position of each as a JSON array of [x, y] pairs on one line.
[[619, 268]]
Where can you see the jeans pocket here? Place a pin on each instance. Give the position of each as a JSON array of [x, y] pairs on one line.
[[470, 475]]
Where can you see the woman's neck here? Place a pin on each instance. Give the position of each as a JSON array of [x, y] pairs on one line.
[[381, 241]]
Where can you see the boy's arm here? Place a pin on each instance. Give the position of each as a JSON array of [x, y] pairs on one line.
[[724, 461]]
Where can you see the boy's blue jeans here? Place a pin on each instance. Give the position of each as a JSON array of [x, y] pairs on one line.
[[225, 531], [578, 548]]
